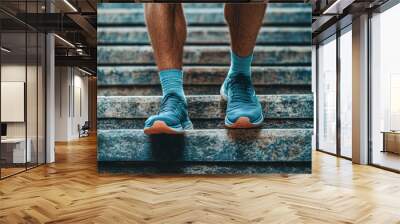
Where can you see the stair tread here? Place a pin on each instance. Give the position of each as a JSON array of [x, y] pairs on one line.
[[274, 15], [155, 90], [201, 80], [204, 106], [202, 75], [138, 123], [251, 145], [214, 35], [124, 5], [270, 9], [206, 55]]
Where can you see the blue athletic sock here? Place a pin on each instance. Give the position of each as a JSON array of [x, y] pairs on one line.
[[240, 65], [172, 82]]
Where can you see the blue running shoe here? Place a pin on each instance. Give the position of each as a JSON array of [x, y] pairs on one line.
[[172, 118], [243, 108]]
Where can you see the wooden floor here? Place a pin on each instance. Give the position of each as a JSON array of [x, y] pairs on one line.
[[387, 159], [5, 172], [71, 191]]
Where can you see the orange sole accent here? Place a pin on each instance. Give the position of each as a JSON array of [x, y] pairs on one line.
[[243, 122], [160, 127]]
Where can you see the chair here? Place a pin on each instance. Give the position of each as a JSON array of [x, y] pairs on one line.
[[84, 130]]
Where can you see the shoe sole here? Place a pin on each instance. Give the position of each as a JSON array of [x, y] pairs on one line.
[[242, 122], [160, 127]]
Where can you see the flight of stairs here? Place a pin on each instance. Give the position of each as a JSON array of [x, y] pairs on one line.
[[129, 92]]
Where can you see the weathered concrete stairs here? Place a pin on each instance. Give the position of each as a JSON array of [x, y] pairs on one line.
[[129, 92]]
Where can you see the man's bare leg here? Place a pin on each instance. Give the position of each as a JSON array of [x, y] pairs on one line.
[[167, 30], [244, 109], [245, 21]]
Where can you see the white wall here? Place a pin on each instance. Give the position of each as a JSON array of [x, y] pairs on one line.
[[33, 126], [13, 101], [70, 83], [62, 81], [14, 72], [17, 73], [81, 82]]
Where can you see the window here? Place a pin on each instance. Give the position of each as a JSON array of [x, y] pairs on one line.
[[385, 89], [346, 93], [327, 96], [22, 78]]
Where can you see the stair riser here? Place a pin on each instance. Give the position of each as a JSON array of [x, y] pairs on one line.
[[206, 55], [206, 145], [115, 5], [274, 16], [195, 90], [209, 168], [105, 124], [208, 35], [202, 75], [207, 107]]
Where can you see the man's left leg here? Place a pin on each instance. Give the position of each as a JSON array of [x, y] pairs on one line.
[[243, 109], [167, 30]]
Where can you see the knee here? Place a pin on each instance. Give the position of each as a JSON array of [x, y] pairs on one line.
[[158, 8], [228, 14]]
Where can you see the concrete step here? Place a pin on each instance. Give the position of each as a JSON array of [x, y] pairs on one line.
[[205, 55], [138, 123], [201, 16], [155, 90], [200, 80], [206, 35], [204, 168], [204, 107], [125, 5], [209, 145], [201, 75]]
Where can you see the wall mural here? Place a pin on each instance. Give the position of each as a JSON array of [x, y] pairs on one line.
[[145, 127]]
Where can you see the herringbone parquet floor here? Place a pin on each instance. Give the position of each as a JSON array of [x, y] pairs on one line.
[[71, 191]]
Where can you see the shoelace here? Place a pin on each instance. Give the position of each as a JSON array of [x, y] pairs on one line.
[[172, 102], [241, 90]]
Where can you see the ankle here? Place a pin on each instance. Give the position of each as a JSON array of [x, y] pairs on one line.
[[172, 82], [240, 65]]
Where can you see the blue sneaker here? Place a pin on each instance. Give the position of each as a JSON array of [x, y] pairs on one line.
[[243, 108], [172, 118]]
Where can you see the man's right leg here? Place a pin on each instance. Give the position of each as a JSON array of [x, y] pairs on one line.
[[243, 107], [167, 30]]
